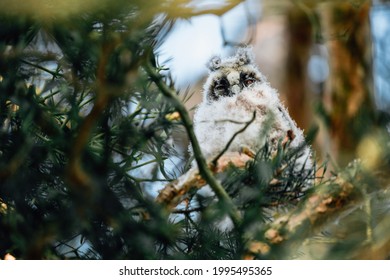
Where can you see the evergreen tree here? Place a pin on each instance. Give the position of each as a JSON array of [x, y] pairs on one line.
[[86, 117]]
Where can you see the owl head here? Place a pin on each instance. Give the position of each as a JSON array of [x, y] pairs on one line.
[[229, 76]]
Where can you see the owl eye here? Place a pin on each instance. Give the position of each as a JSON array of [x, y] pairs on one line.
[[221, 87], [248, 80]]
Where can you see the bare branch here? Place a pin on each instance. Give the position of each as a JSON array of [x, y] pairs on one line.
[[177, 11], [215, 160]]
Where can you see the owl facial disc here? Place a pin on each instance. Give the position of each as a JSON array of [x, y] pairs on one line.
[[229, 76]]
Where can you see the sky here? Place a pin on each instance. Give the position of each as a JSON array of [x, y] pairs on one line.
[[380, 25], [193, 42]]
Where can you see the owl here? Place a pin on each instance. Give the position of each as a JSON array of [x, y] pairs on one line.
[[235, 90]]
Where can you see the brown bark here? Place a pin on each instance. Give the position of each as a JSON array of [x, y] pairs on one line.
[[174, 193], [347, 97], [284, 41], [284, 235], [328, 200], [295, 90]]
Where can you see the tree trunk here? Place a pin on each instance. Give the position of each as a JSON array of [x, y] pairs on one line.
[[295, 90], [347, 99]]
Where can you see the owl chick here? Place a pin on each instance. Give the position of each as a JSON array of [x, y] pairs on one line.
[[234, 90]]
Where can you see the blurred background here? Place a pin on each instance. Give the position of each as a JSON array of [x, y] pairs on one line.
[[90, 130], [302, 47]]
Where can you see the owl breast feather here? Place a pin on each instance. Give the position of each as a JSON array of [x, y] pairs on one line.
[[216, 122]]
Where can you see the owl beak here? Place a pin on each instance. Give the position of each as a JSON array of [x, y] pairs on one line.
[[236, 89]]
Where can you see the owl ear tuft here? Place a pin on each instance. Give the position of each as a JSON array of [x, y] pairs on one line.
[[244, 56], [215, 63]]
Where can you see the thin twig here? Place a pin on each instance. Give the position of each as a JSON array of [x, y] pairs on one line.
[[142, 164], [53, 73], [187, 211], [177, 11], [215, 160], [50, 95]]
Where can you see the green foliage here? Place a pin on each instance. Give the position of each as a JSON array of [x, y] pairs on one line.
[[77, 115], [85, 132]]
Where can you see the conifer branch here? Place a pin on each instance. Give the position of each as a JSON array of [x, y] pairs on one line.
[[79, 179], [55, 74], [174, 192], [325, 202], [204, 170]]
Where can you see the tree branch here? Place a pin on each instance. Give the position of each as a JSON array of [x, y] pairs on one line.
[[215, 160], [55, 74], [204, 170], [174, 192], [328, 200], [79, 179], [177, 11]]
